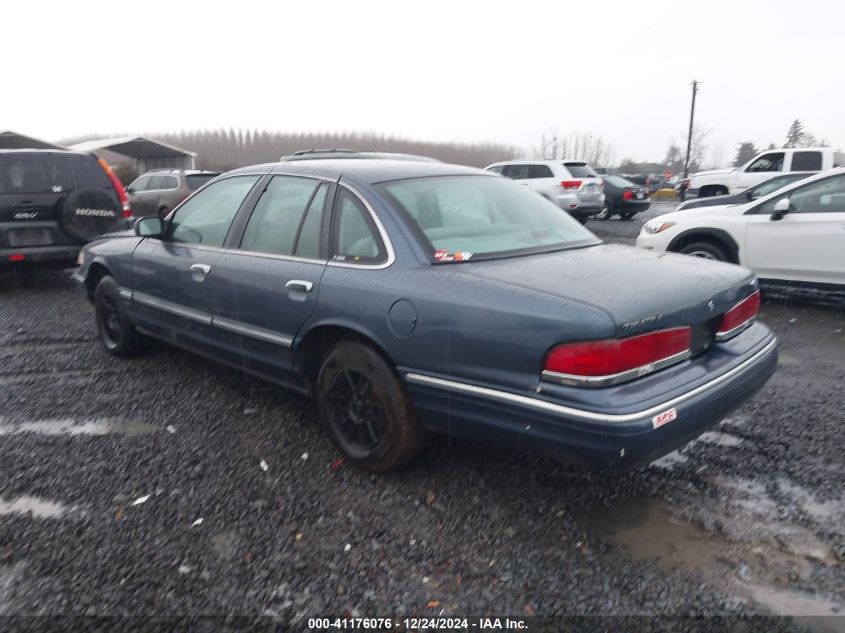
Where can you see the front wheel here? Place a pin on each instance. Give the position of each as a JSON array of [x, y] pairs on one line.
[[365, 409], [705, 250], [116, 331]]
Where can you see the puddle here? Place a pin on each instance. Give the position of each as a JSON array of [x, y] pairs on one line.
[[670, 461], [35, 506], [720, 438], [742, 542], [795, 603], [73, 426]]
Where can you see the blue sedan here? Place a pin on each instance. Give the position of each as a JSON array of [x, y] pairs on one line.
[[408, 297]]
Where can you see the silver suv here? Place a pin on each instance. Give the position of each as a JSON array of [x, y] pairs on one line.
[[159, 190], [570, 184]]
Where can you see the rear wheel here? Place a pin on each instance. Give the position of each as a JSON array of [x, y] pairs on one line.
[[365, 410], [705, 250], [604, 214], [116, 331]]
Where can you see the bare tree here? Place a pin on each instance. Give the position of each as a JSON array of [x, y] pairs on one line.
[[591, 148]]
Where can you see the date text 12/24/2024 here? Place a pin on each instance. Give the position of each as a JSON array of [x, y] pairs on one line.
[[418, 624]]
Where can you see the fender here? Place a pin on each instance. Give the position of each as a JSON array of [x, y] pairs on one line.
[[723, 237]]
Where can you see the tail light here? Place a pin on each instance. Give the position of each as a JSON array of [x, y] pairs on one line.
[[126, 212], [739, 317], [627, 194], [570, 184], [608, 362]]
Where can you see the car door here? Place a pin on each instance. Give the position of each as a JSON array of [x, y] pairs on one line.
[[170, 293], [808, 242], [266, 286], [759, 169], [136, 193]]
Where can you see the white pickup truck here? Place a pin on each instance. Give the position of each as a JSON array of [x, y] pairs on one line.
[[722, 182]]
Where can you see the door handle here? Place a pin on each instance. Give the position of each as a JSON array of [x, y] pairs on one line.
[[299, 284], [199, 271]]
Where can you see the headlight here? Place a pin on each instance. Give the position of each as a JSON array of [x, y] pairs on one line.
[[656, 227]]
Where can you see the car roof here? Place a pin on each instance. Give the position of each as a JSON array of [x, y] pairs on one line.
[[368, 171], [187, 172], [334, 153], [543, 161]]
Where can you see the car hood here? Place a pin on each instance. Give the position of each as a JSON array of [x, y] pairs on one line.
[[711, 172], [640, 290]]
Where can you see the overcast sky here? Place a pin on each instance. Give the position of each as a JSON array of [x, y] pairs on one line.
[[467, 71]]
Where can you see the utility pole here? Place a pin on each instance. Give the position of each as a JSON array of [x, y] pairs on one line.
[[689, 136]]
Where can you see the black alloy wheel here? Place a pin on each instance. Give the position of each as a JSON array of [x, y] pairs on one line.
[[365, 409]]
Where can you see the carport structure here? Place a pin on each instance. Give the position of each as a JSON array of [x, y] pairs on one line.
[[148, 154], [14, 140]]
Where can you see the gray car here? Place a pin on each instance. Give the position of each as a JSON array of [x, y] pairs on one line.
[[157, 192]]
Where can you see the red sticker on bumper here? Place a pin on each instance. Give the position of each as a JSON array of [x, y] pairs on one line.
[[664, 418]]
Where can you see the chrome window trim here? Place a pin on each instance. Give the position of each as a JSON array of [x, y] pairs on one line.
[[614, 379], [388, 245], [249, 330], [285, 258], [590, 416], [171, 307]]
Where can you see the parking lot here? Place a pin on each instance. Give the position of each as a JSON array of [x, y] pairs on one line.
[[170, 485]]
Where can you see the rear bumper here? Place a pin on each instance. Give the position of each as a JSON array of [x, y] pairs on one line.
[[52, 254], [573, 204], [613, 436]]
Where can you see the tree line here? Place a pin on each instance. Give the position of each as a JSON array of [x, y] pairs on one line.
[[225, 149]]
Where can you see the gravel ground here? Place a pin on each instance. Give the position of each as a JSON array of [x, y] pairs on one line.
[[169, 485]]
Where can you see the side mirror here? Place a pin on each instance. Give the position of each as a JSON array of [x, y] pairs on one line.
[[781, 209], [149, 227]]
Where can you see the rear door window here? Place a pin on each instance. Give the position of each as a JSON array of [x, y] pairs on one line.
[[276, 220], [806, 161], [156, 183], [355, 238], [580, 170], [539, 171], [170, 182], [205, 218]]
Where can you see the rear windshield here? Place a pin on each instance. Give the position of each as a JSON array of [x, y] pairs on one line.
[[42, 172], [619, 181], [463, 217], [195, 181], [580, 170]]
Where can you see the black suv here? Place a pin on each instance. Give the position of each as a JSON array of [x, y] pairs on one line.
[[53, 201]]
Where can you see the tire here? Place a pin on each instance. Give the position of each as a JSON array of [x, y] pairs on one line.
[[705, 250], [116, 331], [604, 214], [88, 212], [365, 409]]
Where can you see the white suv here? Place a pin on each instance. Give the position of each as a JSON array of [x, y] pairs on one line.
[[796, 233], [570, 184]]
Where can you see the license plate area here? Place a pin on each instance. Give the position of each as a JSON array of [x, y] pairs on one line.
[[29, 237]]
